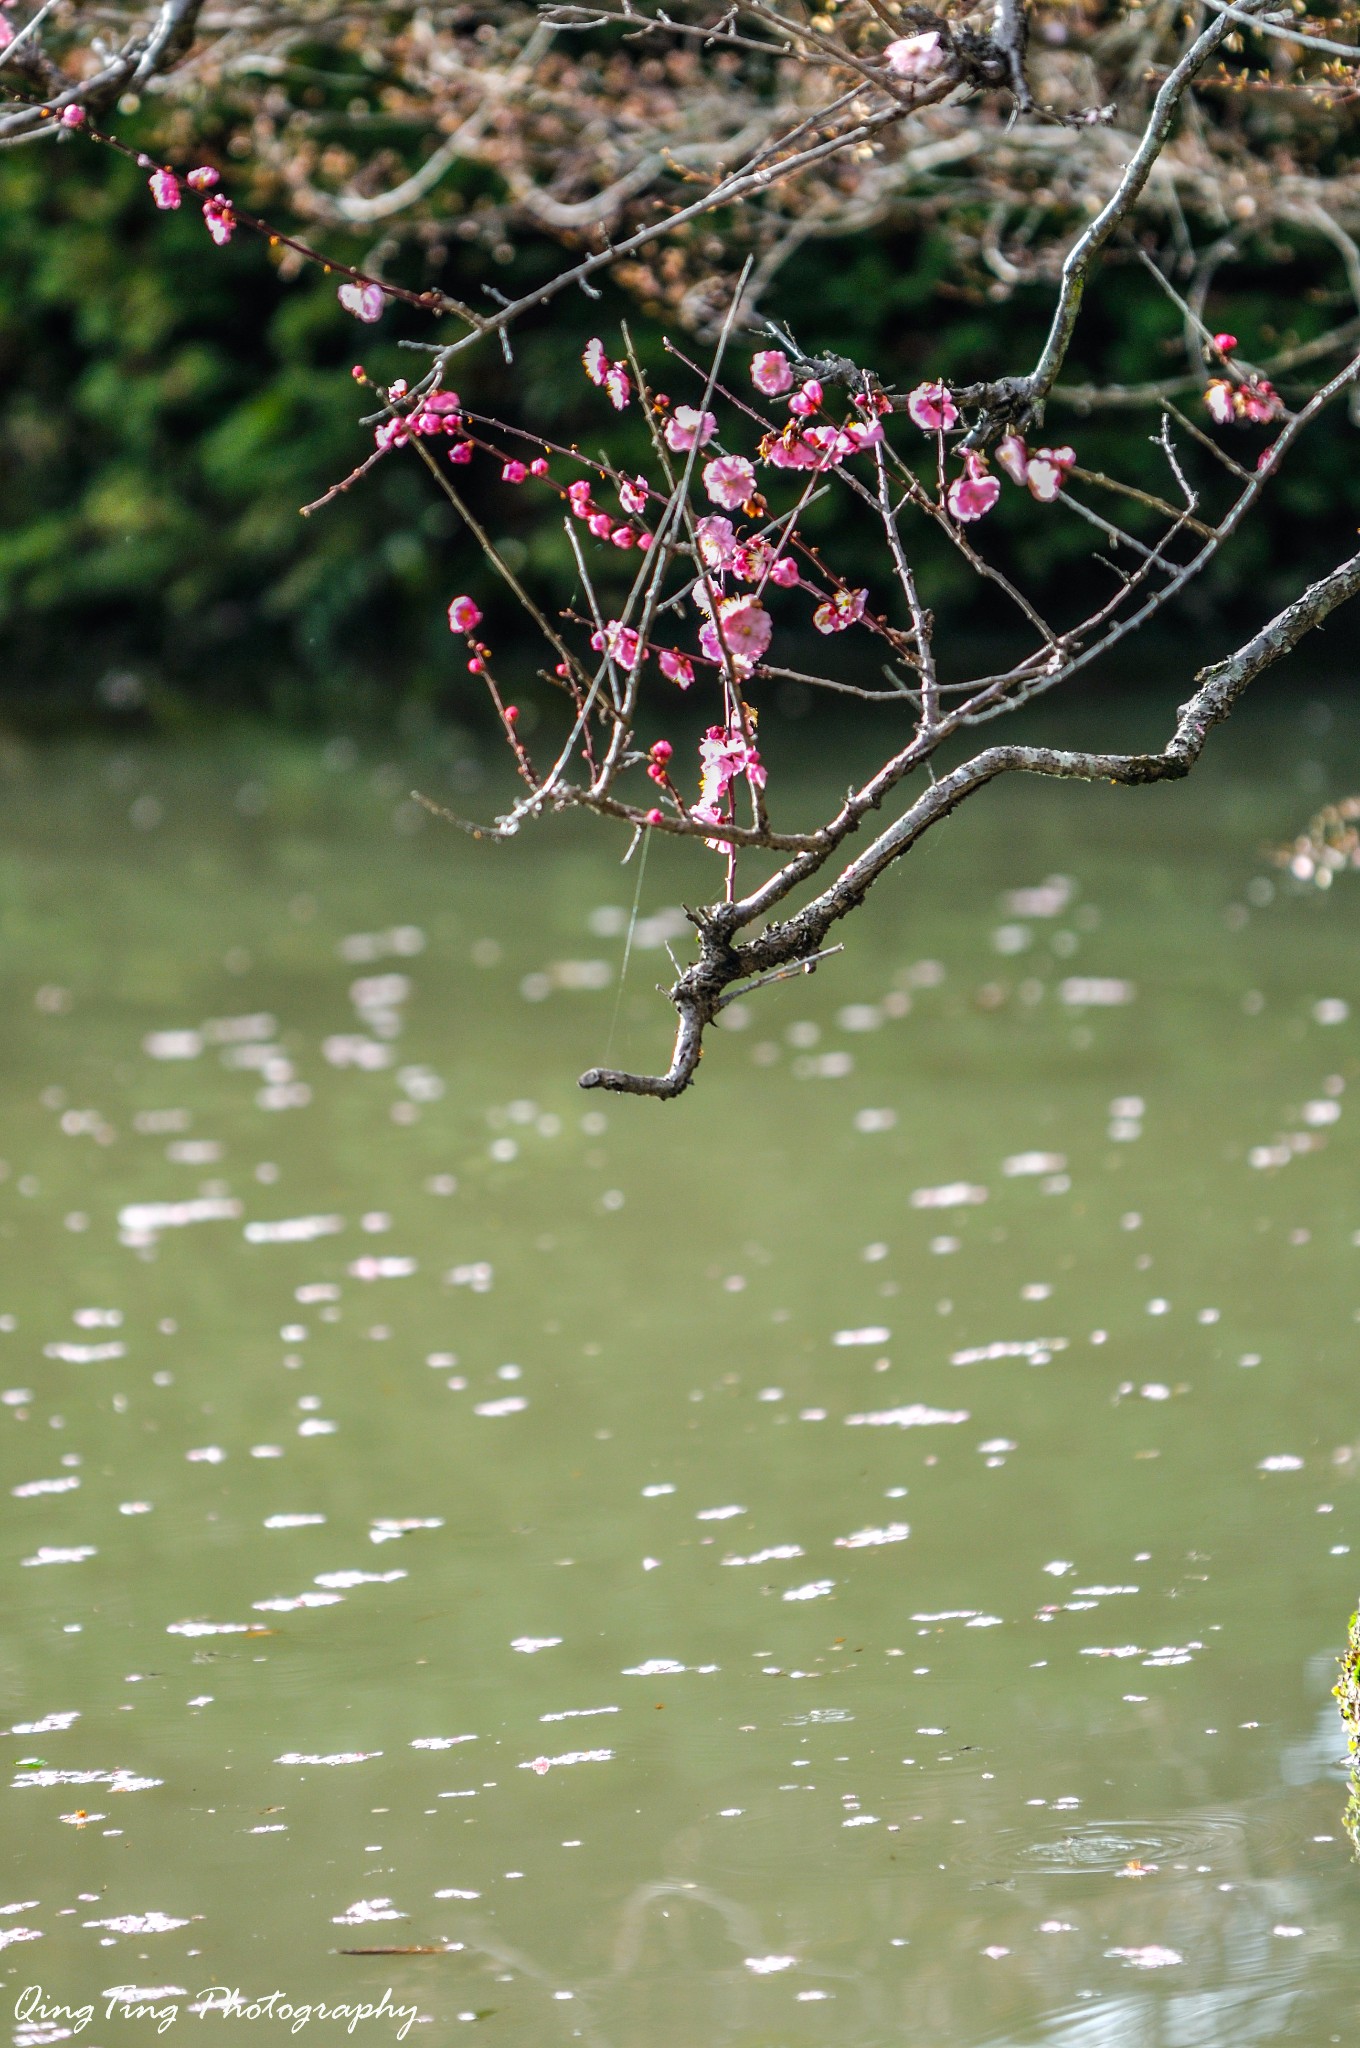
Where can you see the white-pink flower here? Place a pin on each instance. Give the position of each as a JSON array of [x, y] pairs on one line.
[[729, 480], [688, 428], [975, 492], [742, 633], [164, 190], [618, 388], [717, 542], [203, 177], [843, 608], [221, 221], [725, 754], [595, 360], [770, 372], [1013, 456], [915, 56], [633, 495], [1047, 472], [932, 408], [1218, 396], [364, 301], [464, 616]]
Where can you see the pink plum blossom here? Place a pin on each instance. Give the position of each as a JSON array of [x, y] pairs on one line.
[[915, 56], [220, 219], [676, 667], [464, 617], [688, 428], [165, 190], [438, 414], [364, 301], [807, 399], [633, 495], [600, 524], [539, 466], [770, 372], [73, 116], [729, 481], [825, 445], [752, 560], [513, 473], [843, 608], [932, 408], [203, 177], [717, 543], [622, 536], [618, 387], [975, 492], [862, 434], [785, 573], [622, 643], [1047, 472], [460, 452], [1225, 343], [745, 628], [595, 360], [578, 497], [789, 450]]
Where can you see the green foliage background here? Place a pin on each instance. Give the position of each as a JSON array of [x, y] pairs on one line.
[[166, 407]]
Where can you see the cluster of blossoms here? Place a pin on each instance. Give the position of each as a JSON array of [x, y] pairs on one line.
[[438, 413], [734, 568], [1042, 471], [168, 194], [1253, 400]]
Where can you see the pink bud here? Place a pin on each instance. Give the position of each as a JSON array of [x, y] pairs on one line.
[[165, 190], [654, 817], [461, 451], [203, 178], [1226, 343], [464, 616], [538, 467], [475, 666], [622, 536], [599, 524], [73, 117], [513, 473], [785, 572], [661, 750]]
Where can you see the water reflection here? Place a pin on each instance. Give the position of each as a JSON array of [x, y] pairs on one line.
[[856, 1564]]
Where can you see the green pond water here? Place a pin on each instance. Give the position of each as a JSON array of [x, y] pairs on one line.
[[857, 1556]]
